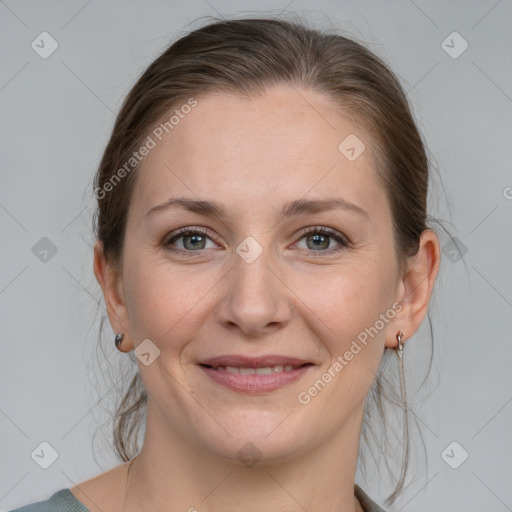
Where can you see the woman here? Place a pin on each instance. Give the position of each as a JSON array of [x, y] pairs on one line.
[[261, 246]]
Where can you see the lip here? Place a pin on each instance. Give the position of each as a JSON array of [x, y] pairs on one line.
[[253, 362], [254, 383]]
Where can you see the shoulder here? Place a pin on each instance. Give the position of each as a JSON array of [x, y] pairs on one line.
[[103, 493], [61, 501]]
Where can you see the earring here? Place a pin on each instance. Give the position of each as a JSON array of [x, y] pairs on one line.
[[400, 347], [405, 423], [118, 340], [400, 353]]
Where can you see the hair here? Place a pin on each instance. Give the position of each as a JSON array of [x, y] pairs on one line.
[[245, 57]]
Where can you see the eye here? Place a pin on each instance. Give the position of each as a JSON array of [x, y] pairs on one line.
[[319, 238], [192, 240]]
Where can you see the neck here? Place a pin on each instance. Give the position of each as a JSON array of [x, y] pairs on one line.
[[172, 473]]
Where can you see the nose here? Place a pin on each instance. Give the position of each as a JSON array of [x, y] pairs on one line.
[[256, 301]]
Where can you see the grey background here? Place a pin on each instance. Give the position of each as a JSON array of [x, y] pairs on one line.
[[57, 114]]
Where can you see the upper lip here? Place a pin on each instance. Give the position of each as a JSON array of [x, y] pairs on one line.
[[253, 362]]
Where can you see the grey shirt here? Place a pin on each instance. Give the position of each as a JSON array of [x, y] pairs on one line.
[[65, 501]]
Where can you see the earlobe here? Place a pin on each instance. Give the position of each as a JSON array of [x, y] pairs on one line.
[[415, 288], [112, 288]]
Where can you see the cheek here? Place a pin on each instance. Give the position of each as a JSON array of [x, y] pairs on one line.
[[347, 304], [355, 306], [161, 301], [347, 299]]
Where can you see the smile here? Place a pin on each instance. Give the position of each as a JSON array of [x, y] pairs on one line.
[[265, 370], [254, 375]]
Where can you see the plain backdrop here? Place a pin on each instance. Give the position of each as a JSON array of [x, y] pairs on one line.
[[57, 112]]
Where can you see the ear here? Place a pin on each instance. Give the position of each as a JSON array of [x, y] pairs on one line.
[[415, 288], [111, 283]]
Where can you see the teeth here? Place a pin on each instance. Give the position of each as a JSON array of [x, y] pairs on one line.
[[266, 370]]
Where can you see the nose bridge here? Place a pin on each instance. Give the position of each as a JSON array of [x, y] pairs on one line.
[[254, 298], [252, 277]]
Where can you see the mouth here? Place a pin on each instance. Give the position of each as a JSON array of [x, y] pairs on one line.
[[254, 375], [264, 370]]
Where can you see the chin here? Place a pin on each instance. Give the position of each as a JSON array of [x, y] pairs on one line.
[[260, 437]]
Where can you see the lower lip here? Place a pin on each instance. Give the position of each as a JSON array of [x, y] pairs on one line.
[[255, 383]]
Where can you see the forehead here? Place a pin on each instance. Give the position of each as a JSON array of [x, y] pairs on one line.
[[285, 142]]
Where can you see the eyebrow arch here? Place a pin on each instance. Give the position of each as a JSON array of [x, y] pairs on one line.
[[298, 207]]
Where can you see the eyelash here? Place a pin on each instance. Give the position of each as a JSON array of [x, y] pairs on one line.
[[343, 242]]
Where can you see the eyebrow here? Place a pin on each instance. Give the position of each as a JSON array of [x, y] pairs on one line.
[[298, 207]]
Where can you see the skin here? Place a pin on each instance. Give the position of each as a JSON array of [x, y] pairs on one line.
[[252, 156]]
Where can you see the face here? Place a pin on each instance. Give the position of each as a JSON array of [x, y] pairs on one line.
[[276, 278]]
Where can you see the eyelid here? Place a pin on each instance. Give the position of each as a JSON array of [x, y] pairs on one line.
[[191, 230], [343, 240], [325, 230]]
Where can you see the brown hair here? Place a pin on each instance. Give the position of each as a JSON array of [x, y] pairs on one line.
[[244, 56]]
